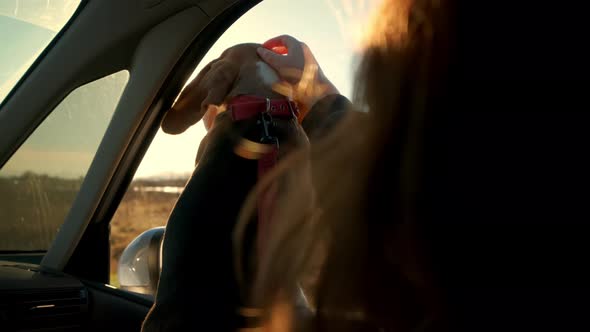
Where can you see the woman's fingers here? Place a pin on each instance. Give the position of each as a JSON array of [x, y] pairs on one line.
[[298, 68], [286, 55], [276, 61]]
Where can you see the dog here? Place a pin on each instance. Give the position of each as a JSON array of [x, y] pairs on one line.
[[198, 235]]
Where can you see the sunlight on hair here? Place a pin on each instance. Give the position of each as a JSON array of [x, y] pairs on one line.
[[280, 318], [384, 31]]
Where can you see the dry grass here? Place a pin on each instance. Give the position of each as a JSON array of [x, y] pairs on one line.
[[34, 207], [138, 212]]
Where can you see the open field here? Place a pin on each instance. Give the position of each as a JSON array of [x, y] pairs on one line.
[[138, 212], [33, 208]]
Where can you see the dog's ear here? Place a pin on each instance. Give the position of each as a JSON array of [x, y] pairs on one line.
[[210, 87]]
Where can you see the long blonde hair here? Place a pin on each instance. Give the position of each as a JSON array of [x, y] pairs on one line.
[[359, 227]]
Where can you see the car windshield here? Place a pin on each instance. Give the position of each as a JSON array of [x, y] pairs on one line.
[[26, 28]]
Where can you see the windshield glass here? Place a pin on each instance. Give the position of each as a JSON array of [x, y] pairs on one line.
[[26, 28]]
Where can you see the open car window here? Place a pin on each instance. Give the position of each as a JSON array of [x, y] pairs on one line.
[[331, 29]]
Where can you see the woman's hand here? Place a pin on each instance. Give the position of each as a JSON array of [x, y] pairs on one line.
[[303, 79]]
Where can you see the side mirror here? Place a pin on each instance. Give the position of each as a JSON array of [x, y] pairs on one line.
[[141, 262]]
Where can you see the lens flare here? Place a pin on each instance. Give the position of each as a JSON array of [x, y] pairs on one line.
[[352, 17]]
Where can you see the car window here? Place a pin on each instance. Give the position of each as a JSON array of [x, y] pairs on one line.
[[329, 27], [26, 28], [40, 181]]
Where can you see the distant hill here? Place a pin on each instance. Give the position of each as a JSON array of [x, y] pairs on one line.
[[165, 176], [163, 179]]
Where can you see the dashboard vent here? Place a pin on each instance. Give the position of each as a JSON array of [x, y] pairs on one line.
[[44, 310]]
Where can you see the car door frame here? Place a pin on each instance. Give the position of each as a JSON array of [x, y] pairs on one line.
[[98, 225]]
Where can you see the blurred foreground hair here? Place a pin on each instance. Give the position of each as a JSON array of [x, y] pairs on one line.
[[353, 241]]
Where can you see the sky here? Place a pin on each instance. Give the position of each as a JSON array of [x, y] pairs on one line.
[[331, 28]]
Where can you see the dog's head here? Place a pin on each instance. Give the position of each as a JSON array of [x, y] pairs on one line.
[[237, 71]]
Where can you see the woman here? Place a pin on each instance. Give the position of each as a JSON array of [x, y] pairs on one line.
[[450, 203], [372, 274]]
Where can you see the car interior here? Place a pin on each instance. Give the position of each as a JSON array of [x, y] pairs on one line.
[[158, 43], [505, 191]]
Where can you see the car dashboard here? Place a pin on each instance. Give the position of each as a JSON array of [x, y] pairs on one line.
[[33, 299]]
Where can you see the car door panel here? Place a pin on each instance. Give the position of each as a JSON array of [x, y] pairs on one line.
[[33, 299], [115, 310]]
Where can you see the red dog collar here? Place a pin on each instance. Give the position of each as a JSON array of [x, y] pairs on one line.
[[246, 107]]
